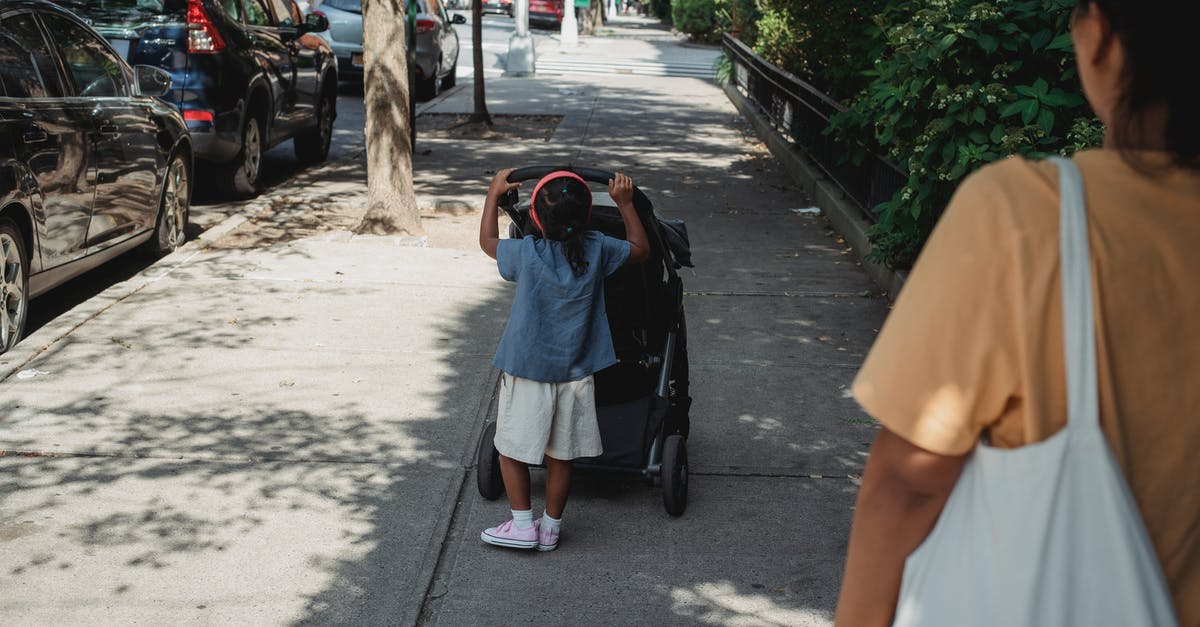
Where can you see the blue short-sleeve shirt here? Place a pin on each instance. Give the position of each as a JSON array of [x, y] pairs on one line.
[[558, 330]]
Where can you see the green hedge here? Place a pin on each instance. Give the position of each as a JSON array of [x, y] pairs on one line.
[[959, 84]]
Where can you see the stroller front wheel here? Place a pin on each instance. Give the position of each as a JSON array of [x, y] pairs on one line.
[[675, 474], [487, 465]]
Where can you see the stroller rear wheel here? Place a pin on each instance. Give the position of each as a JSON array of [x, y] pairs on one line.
[[487, 465], [675, 474]]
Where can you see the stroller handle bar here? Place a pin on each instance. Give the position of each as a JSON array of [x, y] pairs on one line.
[[592, 175]]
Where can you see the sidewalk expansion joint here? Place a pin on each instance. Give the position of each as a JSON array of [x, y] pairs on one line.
[[217, 459]]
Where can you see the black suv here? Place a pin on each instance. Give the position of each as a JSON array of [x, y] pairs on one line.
[[247, 74]]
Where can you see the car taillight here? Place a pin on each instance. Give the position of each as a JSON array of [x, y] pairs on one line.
[[198, 115], [202, 34], [425, 25]]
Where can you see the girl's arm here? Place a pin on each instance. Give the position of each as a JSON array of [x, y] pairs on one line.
[[489, 229], [620, 189]]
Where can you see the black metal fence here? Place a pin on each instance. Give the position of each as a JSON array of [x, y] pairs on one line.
[[800, 113]]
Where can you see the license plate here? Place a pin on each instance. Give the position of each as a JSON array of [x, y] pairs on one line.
[[356, 60]]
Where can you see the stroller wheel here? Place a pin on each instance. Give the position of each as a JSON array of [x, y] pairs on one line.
[[675, 474], [487, 465]]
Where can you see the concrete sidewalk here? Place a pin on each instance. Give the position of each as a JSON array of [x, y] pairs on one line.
[[286, 434]]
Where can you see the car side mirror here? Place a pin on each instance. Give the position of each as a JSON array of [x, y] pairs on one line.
[[315, 23], [152, 81], [458, 19]]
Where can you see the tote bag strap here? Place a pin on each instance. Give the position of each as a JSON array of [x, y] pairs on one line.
[[1079, 326]]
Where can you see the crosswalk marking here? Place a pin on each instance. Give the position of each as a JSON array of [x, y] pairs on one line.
[[563, 67]]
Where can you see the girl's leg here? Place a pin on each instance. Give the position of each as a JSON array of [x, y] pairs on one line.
[[516, 482], [558, 482]]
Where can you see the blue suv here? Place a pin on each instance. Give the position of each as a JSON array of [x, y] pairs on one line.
[[247, 75]]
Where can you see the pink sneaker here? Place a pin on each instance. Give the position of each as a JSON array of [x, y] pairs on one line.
[[547, 538], [507, 534]]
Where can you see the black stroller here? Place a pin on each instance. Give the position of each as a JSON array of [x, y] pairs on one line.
[[642, 401]]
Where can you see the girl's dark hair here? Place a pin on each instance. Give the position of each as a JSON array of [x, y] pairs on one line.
[[1159, 41], [563, 205]]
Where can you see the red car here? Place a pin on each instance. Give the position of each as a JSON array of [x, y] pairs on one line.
[[546, 12]]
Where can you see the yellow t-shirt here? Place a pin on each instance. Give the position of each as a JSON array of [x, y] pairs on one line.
[[975, 342]]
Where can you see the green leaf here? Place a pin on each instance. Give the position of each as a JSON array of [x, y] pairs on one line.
[[1045, 120], [1013, 108], [1026, 90], [998, 134], [980, 116], [1039, 40], [1029, 110], [1041, 87], [1062, 42], [1060, 98], [978, 136], [988, 43], [948, 151]]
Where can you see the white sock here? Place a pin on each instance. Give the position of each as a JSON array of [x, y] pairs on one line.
[[523, 518], [553, 524]]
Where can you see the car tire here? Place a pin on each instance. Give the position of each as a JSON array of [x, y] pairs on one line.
[[14, 284], [244, 175], [451, 78], [312, 146], [427, 88], [174, 207]]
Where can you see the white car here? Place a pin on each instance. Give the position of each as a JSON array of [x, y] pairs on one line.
[[437, 42]]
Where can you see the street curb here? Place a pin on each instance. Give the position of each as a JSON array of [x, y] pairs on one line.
[[843, 213]]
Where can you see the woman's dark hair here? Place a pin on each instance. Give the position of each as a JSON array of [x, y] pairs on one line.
[[563, 205], [1159, 41]]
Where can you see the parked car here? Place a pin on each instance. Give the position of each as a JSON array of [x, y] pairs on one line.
[[504, 7], [547, 13], [437, 42], [92, 162], [248, 74]]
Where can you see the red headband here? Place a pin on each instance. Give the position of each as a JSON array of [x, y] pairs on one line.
[[545, 179]]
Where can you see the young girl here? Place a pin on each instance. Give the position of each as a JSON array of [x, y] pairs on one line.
[[557, 336]]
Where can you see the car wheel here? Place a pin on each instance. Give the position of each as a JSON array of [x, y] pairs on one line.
[[245, 172], [170, 231], [312, 146], [451, 78], [14, 284], [427, 88]]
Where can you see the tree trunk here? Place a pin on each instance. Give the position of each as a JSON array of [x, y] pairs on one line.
[[591, 18], [481, 111], [391, 202]]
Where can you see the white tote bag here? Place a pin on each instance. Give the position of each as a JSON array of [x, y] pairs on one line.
[[1047, 534]]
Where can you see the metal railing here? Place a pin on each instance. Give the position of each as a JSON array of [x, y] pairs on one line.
[[800, 113]]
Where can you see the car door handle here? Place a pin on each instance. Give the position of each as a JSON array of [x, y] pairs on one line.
[[108, 128], [34, 136]]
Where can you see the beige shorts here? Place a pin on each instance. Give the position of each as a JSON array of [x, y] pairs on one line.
[[537, 419]]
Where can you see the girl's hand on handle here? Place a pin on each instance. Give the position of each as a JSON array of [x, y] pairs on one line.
[[620, 188], [500, 185]]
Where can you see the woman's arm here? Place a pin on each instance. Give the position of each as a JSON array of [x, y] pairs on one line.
[[489, 229], [620, 189], [904, 489]]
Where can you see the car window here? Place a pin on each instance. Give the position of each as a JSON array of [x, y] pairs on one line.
[[95, 70], [26, 69], [257, 13], [283, 12], [232, 8]]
